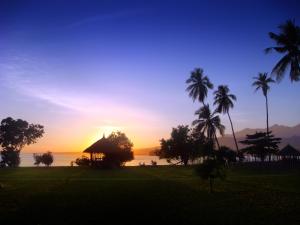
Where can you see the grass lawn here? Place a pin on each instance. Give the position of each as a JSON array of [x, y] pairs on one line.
[[137, 195]]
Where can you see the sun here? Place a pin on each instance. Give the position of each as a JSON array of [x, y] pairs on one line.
[[103, 131], [107, 130]]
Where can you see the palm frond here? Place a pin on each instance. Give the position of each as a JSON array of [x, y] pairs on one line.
[[280, 67], [275, 37], [221, 129], [268, 50], [198, 85], [295, 70], [262, 82], [287, 41]]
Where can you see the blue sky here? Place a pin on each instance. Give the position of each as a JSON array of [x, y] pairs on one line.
[[84, 68]]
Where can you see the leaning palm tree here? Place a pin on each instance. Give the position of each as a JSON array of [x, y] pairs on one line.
[[224, 102], [262, 82], [287, 43], [198, 85], [209, 123]]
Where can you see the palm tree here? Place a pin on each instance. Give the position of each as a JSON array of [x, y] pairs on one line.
[[288, 43], [224, 102], [198, 85], [262, 82], [209, 123]]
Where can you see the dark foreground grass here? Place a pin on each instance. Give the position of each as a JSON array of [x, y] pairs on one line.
[[162, 195]]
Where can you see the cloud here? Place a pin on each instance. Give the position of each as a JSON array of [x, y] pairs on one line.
[[14, 75], [104, 17]]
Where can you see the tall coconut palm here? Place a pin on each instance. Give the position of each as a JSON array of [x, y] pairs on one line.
[[224, 102], [262, 82], [209, 123], [198, 85], [287, 43]]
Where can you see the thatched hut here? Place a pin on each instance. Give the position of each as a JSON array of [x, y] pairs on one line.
[[113, 151], [99, 149], [289, 152]]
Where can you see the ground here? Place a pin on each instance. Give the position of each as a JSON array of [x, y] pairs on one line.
[[156, 195]]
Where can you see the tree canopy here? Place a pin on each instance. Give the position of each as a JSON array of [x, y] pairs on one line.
[[122, 149], [262, 82], [288, 43], [261, 144], [183, 145], [224, 101], [209, 123], [14, 135], [198, 85]]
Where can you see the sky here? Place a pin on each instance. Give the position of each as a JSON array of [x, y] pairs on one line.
[[87, 68]]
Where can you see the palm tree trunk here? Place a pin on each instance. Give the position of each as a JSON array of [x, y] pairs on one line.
[[267, 111], [217, 141], [236, 145]]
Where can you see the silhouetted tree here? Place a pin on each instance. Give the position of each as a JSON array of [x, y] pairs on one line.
[[261, 144], [122, 150], [14, 135], [224, 102], [262, 82], [198, 85], [179, 146], [288, 43], [47, 158], [37, 159], [211, 169], [203, 146], [226, 155], [209, 123], [10, 157]]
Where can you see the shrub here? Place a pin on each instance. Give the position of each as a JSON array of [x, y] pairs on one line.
[[153, 163], [142, 164], [45, 158], [37, 159], [211, 169], [83, 161]]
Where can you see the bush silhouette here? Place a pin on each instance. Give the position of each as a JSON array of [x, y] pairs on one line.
[[211, 169], [45, 158], [83, 161]]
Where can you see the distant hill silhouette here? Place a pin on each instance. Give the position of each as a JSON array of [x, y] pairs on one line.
[[289, 135]]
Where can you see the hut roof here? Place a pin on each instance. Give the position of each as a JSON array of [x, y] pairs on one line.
[[289, 151], [103, 145]]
